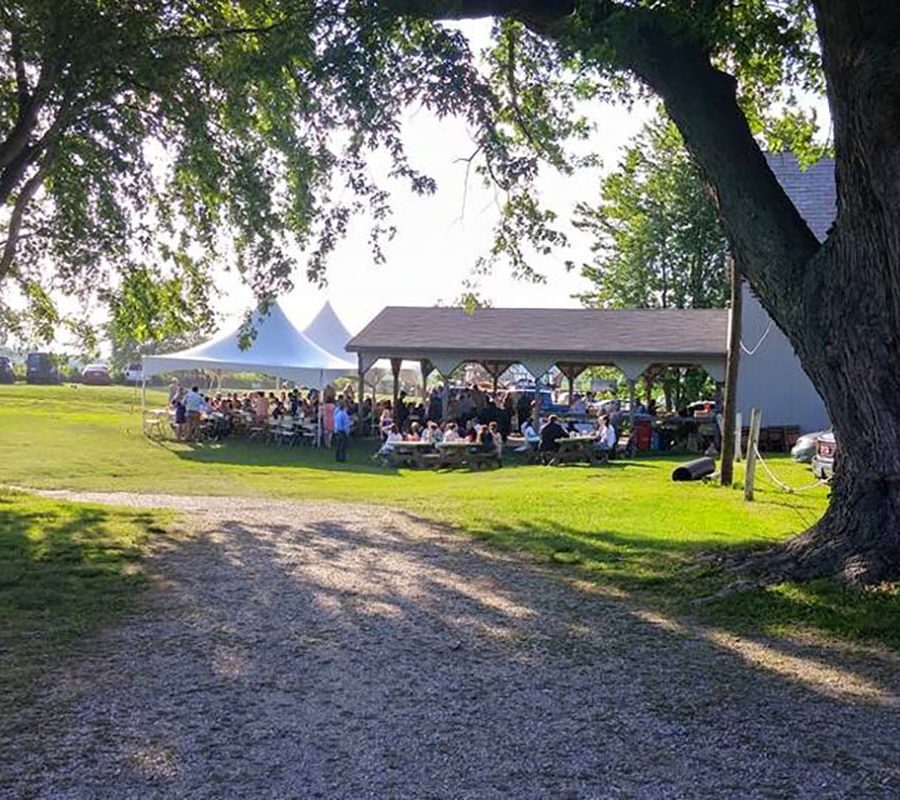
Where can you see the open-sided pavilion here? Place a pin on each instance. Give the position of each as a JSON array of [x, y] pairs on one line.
[[633, 340]]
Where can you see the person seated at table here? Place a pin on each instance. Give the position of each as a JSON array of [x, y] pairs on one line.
[[451, 434], [414, 434], [472, 431], [532, 437], [550, 433], [393, 436], [386, 422], [489, 440], [571, 429], [605, 437], [431, 433]]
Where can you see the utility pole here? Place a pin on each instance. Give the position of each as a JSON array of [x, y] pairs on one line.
[[726, 470]]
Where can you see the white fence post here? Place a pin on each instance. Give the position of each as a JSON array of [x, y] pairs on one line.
[[752, 442]]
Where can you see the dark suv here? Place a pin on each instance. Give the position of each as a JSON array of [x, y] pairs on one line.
[[6, 370], [39, 368]]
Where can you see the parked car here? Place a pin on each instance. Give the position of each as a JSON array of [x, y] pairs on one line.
[[702, 409], [134, 373], [823, 460], [805, 447], [6, 370], [96, 375], [40, 368]]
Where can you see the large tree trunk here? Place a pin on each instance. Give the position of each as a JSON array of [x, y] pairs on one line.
[[847, 331]]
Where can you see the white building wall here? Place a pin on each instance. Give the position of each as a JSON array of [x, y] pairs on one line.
[[772, 378]]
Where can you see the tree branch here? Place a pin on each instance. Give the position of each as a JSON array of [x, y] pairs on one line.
[[13, 172], [12, 147], [22, 88], [18, 215], [526, 10], [772, 240]]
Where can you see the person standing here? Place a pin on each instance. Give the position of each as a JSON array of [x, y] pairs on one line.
[[193, 406], [341, 431]]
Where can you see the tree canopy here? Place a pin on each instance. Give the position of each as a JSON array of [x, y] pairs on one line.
[[136, 136], [657, 238]]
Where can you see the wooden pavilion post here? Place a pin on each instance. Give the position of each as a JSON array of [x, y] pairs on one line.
[[726, 470], [632, 401], [361, 393], [396, 363], [427, 368], [445, 397]]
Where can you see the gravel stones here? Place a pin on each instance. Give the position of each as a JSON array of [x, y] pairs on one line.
[[337, 651]]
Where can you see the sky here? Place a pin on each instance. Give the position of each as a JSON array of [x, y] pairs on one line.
[[440, 237]]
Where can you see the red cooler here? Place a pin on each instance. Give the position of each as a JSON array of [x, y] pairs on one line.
[[643, 432]]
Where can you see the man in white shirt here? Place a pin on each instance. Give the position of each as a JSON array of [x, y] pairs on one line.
[[193, 407]]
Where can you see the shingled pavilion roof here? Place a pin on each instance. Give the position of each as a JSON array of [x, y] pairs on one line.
[[538, 338]]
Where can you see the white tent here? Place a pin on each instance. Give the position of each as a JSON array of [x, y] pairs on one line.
[[327, 331], [279, 349]]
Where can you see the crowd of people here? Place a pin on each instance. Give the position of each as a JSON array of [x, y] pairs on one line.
[[231, 410], [472, 416]]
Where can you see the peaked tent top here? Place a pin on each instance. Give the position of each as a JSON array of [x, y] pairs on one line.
[[329, 333], [279, 349]]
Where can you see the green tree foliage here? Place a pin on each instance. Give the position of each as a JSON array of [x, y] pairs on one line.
[[658, 243], [150, 312], [657, 238], [233, 133]]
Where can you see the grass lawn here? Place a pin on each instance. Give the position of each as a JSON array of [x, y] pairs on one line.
[[626, 524], [65, 569]]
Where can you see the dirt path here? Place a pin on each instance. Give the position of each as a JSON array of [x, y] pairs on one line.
[[301, 650]]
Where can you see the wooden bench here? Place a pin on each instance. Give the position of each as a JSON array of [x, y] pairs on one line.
[[466, 454], [420, 455], [575, 449]]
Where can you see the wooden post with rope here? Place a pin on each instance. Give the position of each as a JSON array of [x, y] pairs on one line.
[[726, 474], [752, 443]]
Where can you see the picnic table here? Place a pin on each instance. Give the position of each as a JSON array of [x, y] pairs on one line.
[[425, 455], [464, 453], [413, 454], [573, 449]]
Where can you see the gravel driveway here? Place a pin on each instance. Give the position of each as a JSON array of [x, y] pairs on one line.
[[302, 650]]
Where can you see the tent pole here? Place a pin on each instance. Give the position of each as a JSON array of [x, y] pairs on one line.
[[143, 399], [319, 421], [396, 364], [361, 386]]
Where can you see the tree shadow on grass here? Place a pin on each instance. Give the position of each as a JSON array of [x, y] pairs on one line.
[[680, 575], [361, 457], [65, 568], [240, 452]]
